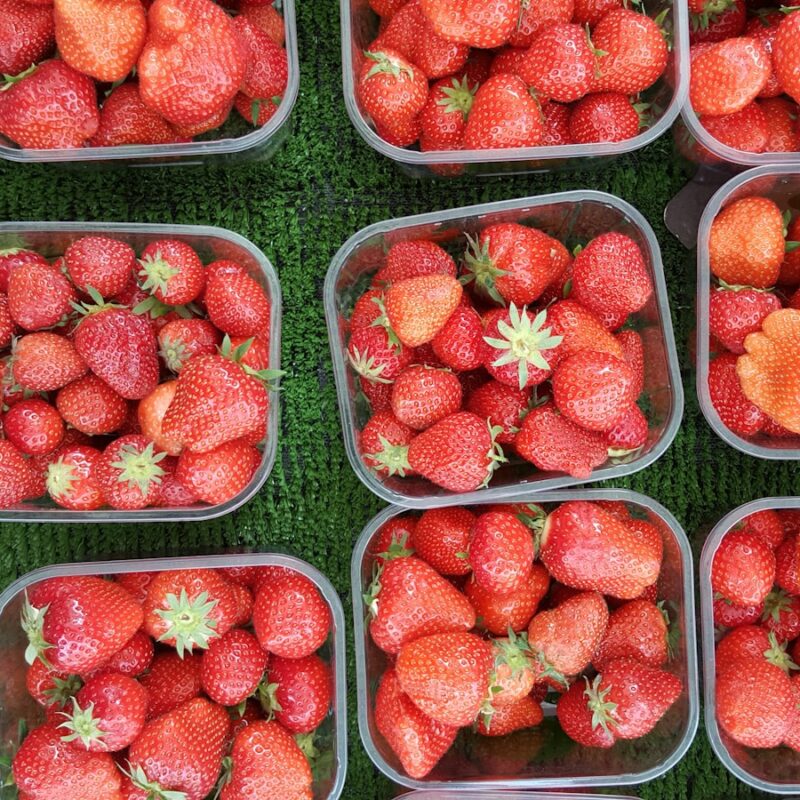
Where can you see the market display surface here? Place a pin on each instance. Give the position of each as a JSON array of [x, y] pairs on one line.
[[323, 186]]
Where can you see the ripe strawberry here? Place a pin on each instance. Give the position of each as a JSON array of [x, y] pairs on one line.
[[218, 475], [750, 641], [244, 603], [80, 623], [51, 690], [267, 762], [781, 615], [132, 659], [764, 27], [792, 738], [524, 713], [182, 339], [376, 358], [483, 25], [556, 127], [129, 473], [91, 406], [192, 63], [171, 681], [727, 615], [232, 667], [409, 599], [499, 613], [743, 569], [299, 692], [33, 427], [39, 296], [629, 433], [100, 263], [732, 315], [266, 17], [638, 629], [735, 410], [172, 272], [444, 116], [46, 767], [150, 415], [258, 112], [237, 304], [8, 326], [13, 257], [622, 564], [457, 453], [535, 17], [579, 329], [504, 406], [52, 107], [397, 532], [189, 130], [780, 116], [181, 750], [745, 130], [728, 76], [590, 12], [383, 444], [500, 552], [422, 396], [414, 259], [290, 617], [507, 61], [27, 34], [503, 115], [459, 343], [446, 675], [604, 117], [418, 308], [267, 71], [716, 20], [578, 720], [441, 538], [787, 561], [136, 583], [786, 56], [766, 525]]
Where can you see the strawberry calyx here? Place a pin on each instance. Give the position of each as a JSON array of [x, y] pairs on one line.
[[32, 621], [60, 478], [157, 272], [458, 98], [645, 113], [82, 725], [739, 287], [546, 671], [139, 468], [174, 352], [153, 307], [63, 690], [398, 548], [255, 106], [370, 597], [481, 268], [364, 364], [601, 708], [236, 354], [9, 251], [10, 80], [534, 517], [513, 652], [189, 622], [790, 247], [393, 458], [776, 654], [97, 306], [673, 630], [621, 453], [712, 11], [266, 693], [495, 453], [387, 65], [152, 789], [382, 321], [307, 744]]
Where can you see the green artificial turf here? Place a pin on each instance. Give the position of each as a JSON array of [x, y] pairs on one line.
[[325, 184]]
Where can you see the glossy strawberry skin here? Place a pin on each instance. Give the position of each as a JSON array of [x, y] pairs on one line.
[[232, 667], [482, 25], [33, 426], [441, 538], [732, 315], [27, 34], [218, 475], [735, 410], [172, 681], [304, 691], [181, 277], [422, 396], [500, 552], [743, 569], [237, 304], [576, 718], [459, 344], [267, 71], [413, 259], [39, 296]]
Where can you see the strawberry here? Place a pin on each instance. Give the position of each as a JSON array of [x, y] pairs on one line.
[[136, 583], [376, 358], [299, 691], [237, 304], [129, 473], [780, 116], [244, 604], [397, 531], [258, 112], [786, 56], [637, 629], [478, 24], [51, 690], [459, 343], [590, 12], [728, 76], [764, 28], [172, 271], [218, 475], [781, 615], [732, 314], [767, 525], [500, 552], [150, 415], [441, 538], [181, 750], [182, 339], [267, 762], [409, 599], [629, 433], [422, 396], [446, 675], [727, 615], [132, 659], [577, 718], [27, 34], [266, 17], [51, 107], [586, 547], [256, 354], [507, 61], [634, 52], [535, 17], [735, 411], [290, 617], [503, 406], [232, 667], [579, 329], [90, 405], [556, 126], [457, 453], [171, 681], [444, 116], [560, 64], [383, 444], [503, 115], [792, 737], [603, 117], [555, 444], [39, 296], [749, 641], [192, 63], [418, 308], [72, 480], [80, 623], [524, 713], [46, 767], [100, 263], [514, 674], [186, 131], [8, 326], [267, 70], [33, 427], [416, 739], [745, 130], [500, 613], [413, 259], [743, 569], [716, 20]]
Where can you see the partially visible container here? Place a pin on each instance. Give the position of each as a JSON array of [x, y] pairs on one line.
[[569, 216], [448, 795], [781, 184], [552, 760], [17, 705], [51, 239], [359, 29], [236, 140], [776, 771]]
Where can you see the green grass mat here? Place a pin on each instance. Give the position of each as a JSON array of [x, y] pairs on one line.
[[322, 186]]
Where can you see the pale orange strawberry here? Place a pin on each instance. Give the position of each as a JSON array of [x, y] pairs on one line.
[[418, 308]]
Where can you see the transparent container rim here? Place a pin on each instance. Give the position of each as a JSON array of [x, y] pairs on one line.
[[271, 449], [199, 150], [709, 649], [322, 583], [627, 779], [404, 156], [439, 794], [703, 298], [476, 211]]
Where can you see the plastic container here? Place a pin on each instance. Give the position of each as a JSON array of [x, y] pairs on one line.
[[233, 142], [781, 184], [568, 216], [16, 704], [554, 761], [51, 239], [446, 795], [359, 29], [776, 771]]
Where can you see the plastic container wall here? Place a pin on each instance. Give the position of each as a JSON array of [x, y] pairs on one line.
[[259, 143], [359, 29], [51, 239], [776, 771], [781, 184], [447, 795], [569, 216], [551, 759], [16, 704]]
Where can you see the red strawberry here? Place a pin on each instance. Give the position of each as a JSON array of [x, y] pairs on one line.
[[52, 107], [244, 604], [767, 526], [446, 675], [290, 617], [633, 355], [132, 659], [727, 615], [556, 125], [637, 630], [13, 257], [716, 21], [267, 762], [237, 304], [172, 271], [100, 263], [72, 480], [218, 475], [51, 690], [504, 406], [33, 427], [129, 473], [483, 25], [745, 130], [192, 63], [409, 599], [266, 17], [182, 339], [780, 116], [189, 130], [629, 433], [444, 116], [734, 409], [786, 56], [171, 681], [422, 396], [787, 560], [733, 314], [554, 444], [524, 713], [579, 329], [232, 667], [150, 415], [397, 532], [90, 405], [413, 259], [375, 357], [748, 640], [792, 738], [302, 691], [181, 750], [577, 718], [782, 615], [7, 325], [743, 569], [258, 112], [441, 537], [418, 308], [586, 547], [764, 27], [507, 61], [136, 583], [367, 309], [256, 353], [383, 444], [39, 296], [459, 344], [500, 552], [267, 71], [416, 739], [535, 17], [27, 34]]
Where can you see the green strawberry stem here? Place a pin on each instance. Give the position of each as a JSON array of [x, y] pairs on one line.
[[97, 305], [366, 367], [266, 693], [306, 742], [495, 455], [546, 670], [383, 322], [459, 97], [392, 457], [153, 790], [776, 654], [601, 708], [481, 268], [386, 64], [32, 620], [268, 376], [60, 478], [155, 308], [139, 468], [157, 272], [10, 80], [82, 725], [189, 622]]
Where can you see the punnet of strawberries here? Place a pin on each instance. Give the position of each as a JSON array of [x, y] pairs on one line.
[[756, 612], [745, 75], [182, 685], [449, 75], [754, 321], [130, 380], [94, 73], [513, 641], [503, 356]]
